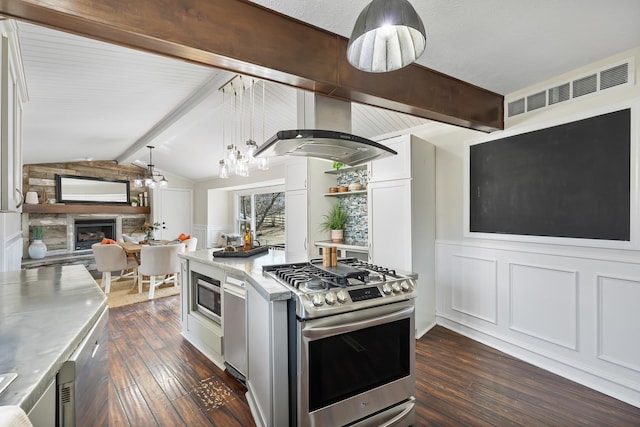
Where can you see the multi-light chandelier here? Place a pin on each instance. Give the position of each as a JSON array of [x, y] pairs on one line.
[[239, 154], [149, 179]]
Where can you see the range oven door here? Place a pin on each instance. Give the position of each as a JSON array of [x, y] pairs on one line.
[[354, 365]]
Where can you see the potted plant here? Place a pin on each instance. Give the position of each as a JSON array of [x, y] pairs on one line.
[[148, 229], [37, 248], [335, 221]]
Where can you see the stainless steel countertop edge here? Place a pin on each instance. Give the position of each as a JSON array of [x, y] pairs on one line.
[[72, 299]]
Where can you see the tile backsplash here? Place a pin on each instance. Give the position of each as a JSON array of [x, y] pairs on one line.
[[356, 230]]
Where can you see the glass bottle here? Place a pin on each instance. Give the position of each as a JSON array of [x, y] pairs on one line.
[[248, 238]]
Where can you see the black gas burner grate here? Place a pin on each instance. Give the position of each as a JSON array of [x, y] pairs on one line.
[[313, 276], [372, 267]]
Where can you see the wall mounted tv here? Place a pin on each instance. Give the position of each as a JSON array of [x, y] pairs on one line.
[[86, 189], [571, 180]]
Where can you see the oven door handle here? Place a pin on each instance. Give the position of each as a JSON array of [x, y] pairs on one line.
[[405, 412], [325, 328]]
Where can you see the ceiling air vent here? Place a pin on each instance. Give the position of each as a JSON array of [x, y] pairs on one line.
[[618, 74], [585, 85], [559, 93], [614, 76], [537, 100], [516, 107]]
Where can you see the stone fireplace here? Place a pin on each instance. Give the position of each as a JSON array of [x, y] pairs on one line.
[[59, 220], [73, 233], [89, 231]]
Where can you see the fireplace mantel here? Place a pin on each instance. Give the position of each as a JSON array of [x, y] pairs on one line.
[[78, 208]]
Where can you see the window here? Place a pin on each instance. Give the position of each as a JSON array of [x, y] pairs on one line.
[[263, 209]]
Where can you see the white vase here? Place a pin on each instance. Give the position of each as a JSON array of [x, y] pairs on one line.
[[336, 236], [37, 249]]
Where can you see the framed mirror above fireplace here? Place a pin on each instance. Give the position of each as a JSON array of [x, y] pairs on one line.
[[85, 189]]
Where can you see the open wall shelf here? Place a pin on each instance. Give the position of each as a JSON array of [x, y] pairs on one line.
[[73, 208]]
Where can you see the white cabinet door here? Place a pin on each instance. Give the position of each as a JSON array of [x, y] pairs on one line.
[[10, 133], [393, 167], [296, 219], [295, 174], [11, 241], [390, 224]]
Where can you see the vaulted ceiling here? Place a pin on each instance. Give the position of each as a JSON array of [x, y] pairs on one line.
[[93, 100]]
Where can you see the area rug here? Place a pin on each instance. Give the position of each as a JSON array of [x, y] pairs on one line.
[[212, 393], [124, 292]]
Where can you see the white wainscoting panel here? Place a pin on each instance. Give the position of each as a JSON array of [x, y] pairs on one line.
[[619, 321], [474, 287], [574, 312], [544, 303], [200, 232]]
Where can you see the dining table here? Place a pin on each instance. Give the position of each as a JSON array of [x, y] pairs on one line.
[[133, 249]]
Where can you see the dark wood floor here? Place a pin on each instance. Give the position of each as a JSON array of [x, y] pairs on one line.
[[159, 379]]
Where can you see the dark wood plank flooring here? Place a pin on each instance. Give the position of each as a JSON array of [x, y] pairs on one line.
[[159, 379]]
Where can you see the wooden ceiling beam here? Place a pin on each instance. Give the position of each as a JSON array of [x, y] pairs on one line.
[[246, 38]]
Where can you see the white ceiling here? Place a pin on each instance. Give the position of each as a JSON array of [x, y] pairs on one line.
[[92, 100]]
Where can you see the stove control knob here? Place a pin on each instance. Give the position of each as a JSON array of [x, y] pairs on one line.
[[405, 286], [396, 287], [342, 297], [330, 298], [318, 300], [386, 288]]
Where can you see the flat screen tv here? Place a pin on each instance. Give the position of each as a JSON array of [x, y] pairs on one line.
[[571, 180], [86, 189]]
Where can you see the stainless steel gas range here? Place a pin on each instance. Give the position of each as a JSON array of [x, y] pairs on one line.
[[351, 344]]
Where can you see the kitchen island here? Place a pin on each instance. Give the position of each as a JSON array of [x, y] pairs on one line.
[[45, 314], [266, 325]]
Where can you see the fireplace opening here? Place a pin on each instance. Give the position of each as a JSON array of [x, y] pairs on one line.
[[90, 231]]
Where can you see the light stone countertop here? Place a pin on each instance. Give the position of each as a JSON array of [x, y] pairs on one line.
[[45, 314], [250, 268]]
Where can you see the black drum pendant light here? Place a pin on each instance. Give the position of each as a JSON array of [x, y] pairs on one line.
[[387, 35]]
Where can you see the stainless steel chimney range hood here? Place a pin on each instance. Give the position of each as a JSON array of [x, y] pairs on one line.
[[330, 145]]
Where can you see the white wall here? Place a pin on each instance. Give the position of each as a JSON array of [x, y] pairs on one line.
[[569, 309]]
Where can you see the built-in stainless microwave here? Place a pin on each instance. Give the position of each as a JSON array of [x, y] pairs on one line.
[[207, 296]]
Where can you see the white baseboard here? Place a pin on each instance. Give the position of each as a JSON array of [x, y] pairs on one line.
[[420, 333], [569, 369]]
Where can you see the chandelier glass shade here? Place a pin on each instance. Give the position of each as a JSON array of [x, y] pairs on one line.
[[151, 178], [238, 118], [387, 35]]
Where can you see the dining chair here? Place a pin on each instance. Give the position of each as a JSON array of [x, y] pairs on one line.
[[112, 258], [159, 261], [191, 244]]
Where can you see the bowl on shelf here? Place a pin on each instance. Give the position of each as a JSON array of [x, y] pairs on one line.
[[343, 189], [355, 186], [333, 189]]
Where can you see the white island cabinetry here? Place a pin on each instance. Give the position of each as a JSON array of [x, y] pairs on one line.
[[267, 378], [266, 327], [201, 331], [402, 217]]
